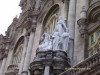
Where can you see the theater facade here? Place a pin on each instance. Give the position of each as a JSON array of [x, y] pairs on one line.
[[53, 37]]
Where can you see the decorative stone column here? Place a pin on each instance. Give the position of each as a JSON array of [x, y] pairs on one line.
[[82, 22], [79, 41], [28, 54], [23, 54], [71, 18], [71, 26], [83, 25]]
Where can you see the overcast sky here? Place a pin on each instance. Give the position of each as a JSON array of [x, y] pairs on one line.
[[8, 10]]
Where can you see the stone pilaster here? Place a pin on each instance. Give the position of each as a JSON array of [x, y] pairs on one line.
[[23, 54], [3, 65], [71, 17], [36, 40], [28, 54], [9, 58], [71, 26]]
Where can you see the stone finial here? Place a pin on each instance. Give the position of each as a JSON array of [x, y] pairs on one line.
[[15, 19]]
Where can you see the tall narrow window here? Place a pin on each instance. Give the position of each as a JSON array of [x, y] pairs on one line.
[[17, 55]]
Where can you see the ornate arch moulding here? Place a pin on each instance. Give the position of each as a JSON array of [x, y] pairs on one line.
[[92, 16], [93, 12]]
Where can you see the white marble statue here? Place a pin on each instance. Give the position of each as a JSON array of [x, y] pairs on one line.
[[65, 40], [56, 40], [46, 44], [60, 36]]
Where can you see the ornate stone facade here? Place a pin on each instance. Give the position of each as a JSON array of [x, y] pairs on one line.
[[19, 48]]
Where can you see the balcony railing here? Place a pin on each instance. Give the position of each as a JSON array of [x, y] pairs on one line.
[[86, 66], [12, 70]]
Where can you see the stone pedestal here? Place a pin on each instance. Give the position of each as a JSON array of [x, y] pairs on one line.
[[49, 62]]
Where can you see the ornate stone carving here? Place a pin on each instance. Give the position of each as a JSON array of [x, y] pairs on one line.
[[12, 70], [83, 27], [3, 53], [50, 56], [56, 60], [45, 4], [23, 4], [93, 11]]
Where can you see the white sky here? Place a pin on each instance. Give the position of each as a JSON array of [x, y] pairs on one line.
[[8, 10]]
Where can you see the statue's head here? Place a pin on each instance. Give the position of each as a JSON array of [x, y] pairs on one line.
[[60, 20], [46, 36]]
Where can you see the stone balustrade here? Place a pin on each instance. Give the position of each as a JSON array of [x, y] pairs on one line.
[[12, 70], [85, 66]]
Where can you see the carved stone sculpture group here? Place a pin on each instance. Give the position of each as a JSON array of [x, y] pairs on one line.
[[59, 40]]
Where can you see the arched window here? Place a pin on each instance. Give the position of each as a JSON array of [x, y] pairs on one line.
[[17, 55], [51, 21], [16, 60]]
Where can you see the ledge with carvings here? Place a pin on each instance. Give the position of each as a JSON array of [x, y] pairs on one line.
[[57, 60]]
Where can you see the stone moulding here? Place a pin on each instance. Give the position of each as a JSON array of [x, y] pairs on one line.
[[93, 12]]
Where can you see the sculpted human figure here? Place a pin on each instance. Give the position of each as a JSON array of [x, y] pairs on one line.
[[60, 36], [56, 40], [46, 44], [65, 40]]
